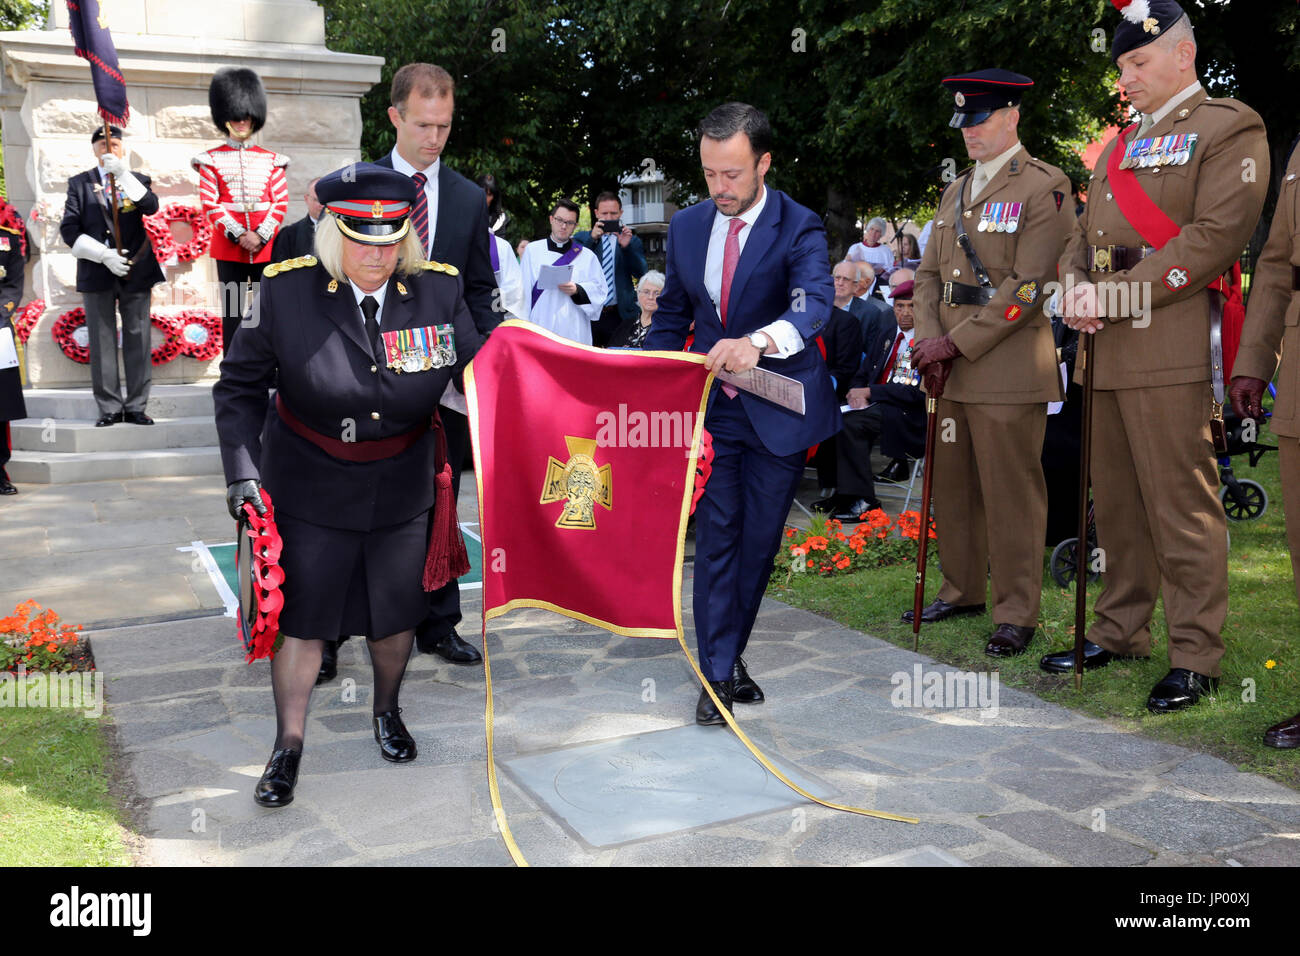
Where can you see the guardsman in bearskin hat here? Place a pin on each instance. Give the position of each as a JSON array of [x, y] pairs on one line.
[[1172, 203], [985, 349], [243, 190]]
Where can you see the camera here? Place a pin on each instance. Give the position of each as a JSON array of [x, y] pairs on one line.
[[612, 226]]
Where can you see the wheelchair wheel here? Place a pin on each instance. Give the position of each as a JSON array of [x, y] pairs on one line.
[[1063, 564], [1249, 503]]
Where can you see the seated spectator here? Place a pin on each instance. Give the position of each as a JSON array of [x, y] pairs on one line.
[[498, 218], [871, 249], [632, 333], [886, 406], [842, 342], [519, 249], [909, 255], [845, 277]]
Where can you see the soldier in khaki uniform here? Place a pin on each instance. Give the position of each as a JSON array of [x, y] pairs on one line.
[[1195, 169], [1273, 326], [986, 351]]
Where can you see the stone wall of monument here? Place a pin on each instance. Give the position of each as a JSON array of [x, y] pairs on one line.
[[168, 52]]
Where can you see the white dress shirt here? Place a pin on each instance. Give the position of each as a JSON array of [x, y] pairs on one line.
[[378, 295], [430, 189], [784, 335]]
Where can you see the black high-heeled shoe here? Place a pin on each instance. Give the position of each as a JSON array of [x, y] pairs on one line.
[[395, 742], [275, 789]]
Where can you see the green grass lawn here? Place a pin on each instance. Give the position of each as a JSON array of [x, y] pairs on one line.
[[55, 805], [1263, 624]]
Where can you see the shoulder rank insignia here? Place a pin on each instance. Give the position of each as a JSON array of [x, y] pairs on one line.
[[276, 268], [580, 483], [432, 266], [333, 286]]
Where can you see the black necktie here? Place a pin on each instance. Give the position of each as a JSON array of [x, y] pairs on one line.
[[370, 309]]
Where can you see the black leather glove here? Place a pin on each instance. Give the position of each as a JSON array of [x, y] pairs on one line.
[[237, 492], [935, 377], [929, 351], [1247, 396]]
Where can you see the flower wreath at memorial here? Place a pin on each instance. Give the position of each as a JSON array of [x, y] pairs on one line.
[[165, 248], [25, 319], [195, 333]]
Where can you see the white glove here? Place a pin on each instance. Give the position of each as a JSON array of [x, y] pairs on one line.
[[95, 251], [131, 187]]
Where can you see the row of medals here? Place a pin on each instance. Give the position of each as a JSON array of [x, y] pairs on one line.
[[1010, 224], [1161, 151]]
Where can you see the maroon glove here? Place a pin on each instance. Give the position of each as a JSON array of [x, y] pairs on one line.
[[928, 351], [935, 376], [1246, 395]]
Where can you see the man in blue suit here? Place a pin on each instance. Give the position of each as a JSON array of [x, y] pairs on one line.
[[749, 269], [623, 259]]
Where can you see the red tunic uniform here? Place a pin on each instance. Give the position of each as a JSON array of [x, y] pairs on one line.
[[242, 187]]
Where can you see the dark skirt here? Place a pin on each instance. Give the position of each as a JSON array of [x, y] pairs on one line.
[[339, 582]]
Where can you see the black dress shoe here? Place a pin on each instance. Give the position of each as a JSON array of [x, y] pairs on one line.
[[743, 688], [857, 508], [942, 610], [1094, 656], [1180, 689], [1284, 736], [106, 420], [329, 663], [7, 487], [896, 471], [395, 743], [1008, 640], [706, 713], [450, 647], [275, 789], [831, 504], [138, 418]]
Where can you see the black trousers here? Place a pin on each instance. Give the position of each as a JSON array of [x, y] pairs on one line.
[[853, 446], [6, 451], [604, 328], [235, 279]]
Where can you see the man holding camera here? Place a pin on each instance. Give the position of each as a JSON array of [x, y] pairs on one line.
[[622, 259]]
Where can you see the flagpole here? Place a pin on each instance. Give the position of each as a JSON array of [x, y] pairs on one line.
[[112, 194], [1081, 554], [923, 528]]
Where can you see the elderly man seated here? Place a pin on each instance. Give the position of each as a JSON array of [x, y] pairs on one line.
[[886, 406]]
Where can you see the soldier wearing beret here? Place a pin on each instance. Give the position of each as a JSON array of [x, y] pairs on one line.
[[243, 189], [986, 353], [363, 342], [1172, 203], [1272, 331]]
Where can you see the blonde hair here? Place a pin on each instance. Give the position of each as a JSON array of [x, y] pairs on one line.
[[329, 249]]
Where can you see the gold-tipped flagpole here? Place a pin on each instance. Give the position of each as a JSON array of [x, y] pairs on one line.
[[112, 193]]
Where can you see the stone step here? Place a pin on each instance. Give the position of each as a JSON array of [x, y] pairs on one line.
[[78, 404], [61, 468], [70, 437]]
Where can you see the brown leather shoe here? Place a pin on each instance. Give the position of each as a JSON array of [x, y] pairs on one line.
[[1284, 736], [1008, 640], [942, 610]]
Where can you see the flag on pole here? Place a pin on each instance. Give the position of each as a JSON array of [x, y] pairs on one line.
[[91, 39], [585, 462]]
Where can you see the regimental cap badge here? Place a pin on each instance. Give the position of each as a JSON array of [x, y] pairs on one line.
[[377, 210], [580, 483], [960, 98], [1143, 22]]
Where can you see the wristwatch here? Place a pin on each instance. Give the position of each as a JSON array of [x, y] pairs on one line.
[[759, 341]]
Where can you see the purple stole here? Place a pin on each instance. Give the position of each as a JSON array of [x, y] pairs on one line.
[[568, 256], [496, 256]]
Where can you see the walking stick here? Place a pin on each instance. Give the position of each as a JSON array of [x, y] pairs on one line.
[[923, 531], [1081, 543]]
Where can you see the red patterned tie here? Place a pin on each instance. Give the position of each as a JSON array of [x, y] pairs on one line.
[[889, 365], [421, 214], [730, 256]]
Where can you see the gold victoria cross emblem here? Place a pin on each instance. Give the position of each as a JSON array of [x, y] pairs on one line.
[[580, 483]]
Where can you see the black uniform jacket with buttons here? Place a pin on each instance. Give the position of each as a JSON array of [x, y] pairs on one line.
[[86, 212], [12, 271], [308, 332]]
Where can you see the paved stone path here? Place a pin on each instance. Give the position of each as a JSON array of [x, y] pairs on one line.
[[1036, 784]]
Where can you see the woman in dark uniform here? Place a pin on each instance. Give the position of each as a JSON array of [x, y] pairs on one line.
[[361, 339], [13, 262]]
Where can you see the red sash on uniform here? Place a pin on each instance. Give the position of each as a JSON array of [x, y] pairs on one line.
[[1156, 229]]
